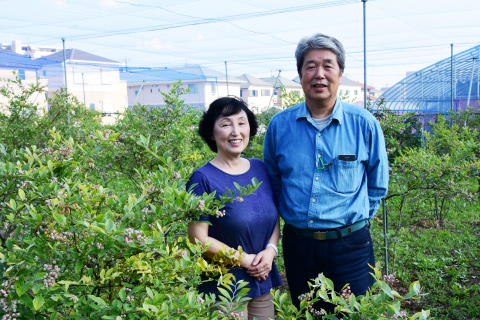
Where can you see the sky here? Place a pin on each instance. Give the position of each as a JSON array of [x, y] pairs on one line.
[[256, 37]]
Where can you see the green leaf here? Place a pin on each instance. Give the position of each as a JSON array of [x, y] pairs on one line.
[[9, 244], [38, 302], [149, 292], [109, 225], [60, 218], [78, 266], [21, 194], [21, 287], [97, 300], [28, 301], [122, 294]]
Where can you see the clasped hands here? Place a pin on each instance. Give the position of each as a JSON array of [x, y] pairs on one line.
[[258, 265]]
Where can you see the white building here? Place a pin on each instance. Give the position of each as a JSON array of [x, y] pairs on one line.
[[32, 51], [257, 93], [145, 86], [93, 80], [13, 65]]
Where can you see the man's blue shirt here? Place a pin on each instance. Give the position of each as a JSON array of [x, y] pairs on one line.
[[344, 192]]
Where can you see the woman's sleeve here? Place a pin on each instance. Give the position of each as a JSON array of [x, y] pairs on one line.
[[198, 184]]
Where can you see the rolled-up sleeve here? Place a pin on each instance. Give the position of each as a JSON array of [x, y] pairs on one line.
[[377, 168]]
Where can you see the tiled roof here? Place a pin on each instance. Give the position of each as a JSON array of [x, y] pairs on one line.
[[75, 55]]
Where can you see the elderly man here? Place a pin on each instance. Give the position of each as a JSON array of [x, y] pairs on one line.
[[328, 166]]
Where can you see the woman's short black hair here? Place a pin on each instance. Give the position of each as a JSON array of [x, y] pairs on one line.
[[225, 107]]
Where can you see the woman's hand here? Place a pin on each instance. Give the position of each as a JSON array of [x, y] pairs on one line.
[[262, 264]]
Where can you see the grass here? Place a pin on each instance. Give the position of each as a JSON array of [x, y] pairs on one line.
[[444, 257]]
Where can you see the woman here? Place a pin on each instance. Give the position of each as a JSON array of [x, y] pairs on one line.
[[252, 223]]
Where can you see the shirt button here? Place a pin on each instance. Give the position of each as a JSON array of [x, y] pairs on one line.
[[311, 221], [316, 178], [319, 134], [313, 200]]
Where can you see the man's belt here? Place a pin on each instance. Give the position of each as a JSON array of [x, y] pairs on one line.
[[329, 235]]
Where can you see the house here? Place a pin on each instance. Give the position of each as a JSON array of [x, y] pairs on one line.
[[257, 93], [92, 79], [28, 70], [350, 91], [289, 86], [32, 51], [145, 86]]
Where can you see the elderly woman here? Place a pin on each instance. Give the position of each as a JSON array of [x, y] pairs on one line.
[[253, 223]]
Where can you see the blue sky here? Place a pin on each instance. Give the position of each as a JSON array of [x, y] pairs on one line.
[[254, 36]]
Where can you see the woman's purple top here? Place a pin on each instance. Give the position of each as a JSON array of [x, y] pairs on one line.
[[248, 223]]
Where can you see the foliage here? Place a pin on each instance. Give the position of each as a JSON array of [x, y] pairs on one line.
[[72, 248], [401, 131], [174, 127], [289, 99], [24, 123], [381, 302]]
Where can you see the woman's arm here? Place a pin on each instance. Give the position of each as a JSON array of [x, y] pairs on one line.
[[262, 264], [199, 230]]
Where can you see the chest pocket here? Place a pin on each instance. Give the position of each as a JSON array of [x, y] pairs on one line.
[[346, 176]]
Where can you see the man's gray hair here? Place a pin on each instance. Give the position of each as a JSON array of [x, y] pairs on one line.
[[319, 41]]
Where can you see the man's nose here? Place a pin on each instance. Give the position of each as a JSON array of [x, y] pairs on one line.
[[320, 73]]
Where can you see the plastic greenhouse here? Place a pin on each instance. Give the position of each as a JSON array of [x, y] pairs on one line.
[[430, 91]]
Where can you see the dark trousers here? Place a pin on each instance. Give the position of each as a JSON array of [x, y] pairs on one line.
[[344, 260]]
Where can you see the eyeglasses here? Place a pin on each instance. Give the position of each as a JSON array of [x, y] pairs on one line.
[[324, 166]]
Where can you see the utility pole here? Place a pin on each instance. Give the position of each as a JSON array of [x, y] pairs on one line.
[[65, 74], [364, 55], [226, 74]]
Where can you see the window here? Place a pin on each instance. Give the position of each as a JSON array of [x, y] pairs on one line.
[[158, 89], [92, 106], [252, 93], [214, 88], [136, 92], [265, 92], [355, 92], [21, 74], [193, 88], [151, 90]]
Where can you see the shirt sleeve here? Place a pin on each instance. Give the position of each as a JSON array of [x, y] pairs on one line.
[[269, 158], [198, 184], [377, 168]]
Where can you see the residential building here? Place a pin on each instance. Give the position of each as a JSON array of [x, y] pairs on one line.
[[257, 93], [145, 86], [289, 86], [13, 65], [32, 51], [93, 80]]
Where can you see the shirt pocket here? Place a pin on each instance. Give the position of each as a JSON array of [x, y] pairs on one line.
[[345, 176]]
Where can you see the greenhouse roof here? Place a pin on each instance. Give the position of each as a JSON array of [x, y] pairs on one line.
[[430, 90]]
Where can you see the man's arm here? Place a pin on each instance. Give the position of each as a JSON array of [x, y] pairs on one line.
[[269, 158], [377, 168]]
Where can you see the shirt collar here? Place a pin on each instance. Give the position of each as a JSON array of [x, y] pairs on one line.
[[336, 114]]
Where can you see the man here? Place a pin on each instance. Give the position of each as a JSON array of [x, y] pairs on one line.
[[328, 166]]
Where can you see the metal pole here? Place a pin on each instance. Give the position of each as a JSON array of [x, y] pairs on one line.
[[385, 234], [65, 74], [471, 82], [84, 100], [364, 55], [451, 77], [274, 87], [226, 74]]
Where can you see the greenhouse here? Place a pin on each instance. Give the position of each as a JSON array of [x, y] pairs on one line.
[[430, 90]]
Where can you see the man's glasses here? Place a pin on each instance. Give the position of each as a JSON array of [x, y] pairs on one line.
[[324, 166]]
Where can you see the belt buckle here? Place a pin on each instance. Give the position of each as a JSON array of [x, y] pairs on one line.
[[320, 235]]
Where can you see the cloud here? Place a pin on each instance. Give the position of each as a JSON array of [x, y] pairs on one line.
[[156, 44], [198, 37]]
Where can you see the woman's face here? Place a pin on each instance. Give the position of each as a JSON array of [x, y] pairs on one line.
[[231, 134]]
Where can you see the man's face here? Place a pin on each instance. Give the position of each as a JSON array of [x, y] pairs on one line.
[[320, 78]]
